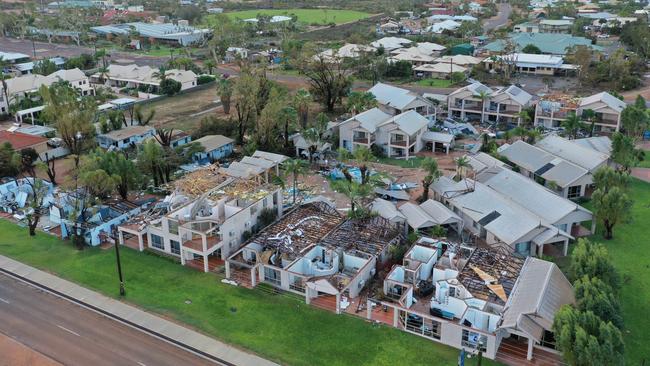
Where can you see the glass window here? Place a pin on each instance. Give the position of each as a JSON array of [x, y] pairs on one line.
[[173, 226], [574, 192], [175, 246], [523, 248], [157, 242], [474, 340]]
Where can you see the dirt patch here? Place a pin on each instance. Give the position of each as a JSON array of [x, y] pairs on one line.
[[184, 111]]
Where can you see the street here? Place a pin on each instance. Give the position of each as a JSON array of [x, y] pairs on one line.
[[72, 335], [499, 20]]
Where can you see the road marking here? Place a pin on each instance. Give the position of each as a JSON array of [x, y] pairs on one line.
[[141, 364], [3, 300], [69, 331]]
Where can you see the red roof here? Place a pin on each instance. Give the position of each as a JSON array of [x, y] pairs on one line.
[[19, 140]]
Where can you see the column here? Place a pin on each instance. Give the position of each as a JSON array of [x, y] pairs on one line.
[[307, 298], [368, 309], [531, 342], [565, 250], [253, 279], [121, 236], [408, 146], [540, 250], [395, 317], [182, 255], [227, 269], [593, 225], [338, 303], [205, 264], [140, 243]]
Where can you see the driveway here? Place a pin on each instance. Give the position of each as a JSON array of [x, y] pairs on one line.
[[503, 14]]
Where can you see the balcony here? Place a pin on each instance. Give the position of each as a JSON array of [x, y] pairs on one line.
[[398, 142], [196, 243], [361, 140]]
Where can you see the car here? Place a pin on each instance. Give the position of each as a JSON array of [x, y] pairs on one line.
[[603, 36], [55, 142]]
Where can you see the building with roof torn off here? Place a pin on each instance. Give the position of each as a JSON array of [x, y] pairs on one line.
[[210, 212], [472, 298], [315, 252], [551, 110]]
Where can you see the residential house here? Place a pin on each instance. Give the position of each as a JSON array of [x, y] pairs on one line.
[[445, 25], [556, 26], [429, 214], [501, 206], [527, 63], [13, 57], [215, 147], [438, 70], [412, 55], [314, 252], [134, 76], [576, 151], [460, 60], [20, 141], [126, 137], [204, 221], [552, 110], [391, 43], [396, 100], [479, 102], [527, 27], [561, 176], [399, 136]]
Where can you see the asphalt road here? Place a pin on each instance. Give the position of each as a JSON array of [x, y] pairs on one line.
[[499, 20], [72, 335]]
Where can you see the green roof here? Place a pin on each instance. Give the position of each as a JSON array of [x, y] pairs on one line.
[[550, 43]]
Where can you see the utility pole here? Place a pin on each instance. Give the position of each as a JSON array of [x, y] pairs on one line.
[[119, 265]]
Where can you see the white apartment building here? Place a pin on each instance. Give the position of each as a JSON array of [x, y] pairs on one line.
[[477, 102]]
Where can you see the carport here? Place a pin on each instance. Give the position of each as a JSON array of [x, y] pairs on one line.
[[438, 141]]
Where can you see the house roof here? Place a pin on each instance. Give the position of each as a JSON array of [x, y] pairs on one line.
[[602, 144], [213, 142], [19, 140], [416, 217], [482, 161], [533, 196], [440, 68], [584, 157], [524, 59], [556, 22], [391, 43], [516, 94], [395, 97], [12, 56], [387, 210], [412, 54], [604, 97], [433, 136], [409, 122], [553, 43], [541, 289], [146, 74], [443, 26], [127, 132], [430, 47], [276, 158], [440, 213], [370, 119]]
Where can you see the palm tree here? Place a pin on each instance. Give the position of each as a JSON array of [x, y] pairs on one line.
[[520, 131], [301, 102], [294, 168], [572, 124], [430, 165], [462, 165], [224, 90], [140, 117], [289, 117], [360, 101], [524, 118], [483, 95], [590, 116], [362, 155], [314, 135], [533, 135], [355, 191], [209, 64], [103, 75]]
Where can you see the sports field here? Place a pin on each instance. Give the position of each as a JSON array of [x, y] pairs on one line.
[[308, 16]]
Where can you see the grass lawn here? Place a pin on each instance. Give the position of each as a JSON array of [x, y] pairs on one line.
[[630, 252], [414, 162], [308, 16], [436, 83], [277, 327]]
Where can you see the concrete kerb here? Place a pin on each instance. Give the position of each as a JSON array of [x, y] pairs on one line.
[[160, 328]]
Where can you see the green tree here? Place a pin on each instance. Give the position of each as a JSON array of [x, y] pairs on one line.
[[4, 76], [572, 125], [10, 161], [611, 207], [35, 209], [44, 67], [209, 64], [151, 161], [430, 166], [100, 184], [634, 119], [142, 118], [301, 102], [587, 340], [288, 118], [462, 167], [72, 116], [360, 101], [245, 99], [294, 168], [329, 81], [268, 127], [531, 48], [591, 260], [356, 192], [170, 86], [314, 135], [224, 90], [123, 171], [592, 294]]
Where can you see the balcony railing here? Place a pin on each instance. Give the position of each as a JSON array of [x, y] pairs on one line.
[[398, 142], [361, 140]]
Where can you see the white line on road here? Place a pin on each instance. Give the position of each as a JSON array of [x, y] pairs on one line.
[[141, 364], [69, 331], [3, 300]]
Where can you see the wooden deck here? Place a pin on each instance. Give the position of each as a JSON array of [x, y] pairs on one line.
[[512, 352], [213, 263], [326, 302], [241, 276]]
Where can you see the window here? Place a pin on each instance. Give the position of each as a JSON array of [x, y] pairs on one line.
[[548, 340], [176, 247], [173, 226], [253, 210], [157, 242], [474, 340], [265, 202], [574, 192], [271, 275]]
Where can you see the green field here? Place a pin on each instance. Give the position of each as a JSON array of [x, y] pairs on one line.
[[630, 252], [308, 16], [436, 83], [646, 162], [279, 327]]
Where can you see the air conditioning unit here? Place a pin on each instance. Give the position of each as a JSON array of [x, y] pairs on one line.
[[362, 283]]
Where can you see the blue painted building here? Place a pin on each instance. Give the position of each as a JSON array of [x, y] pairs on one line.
[[125, 137], [215, 147]]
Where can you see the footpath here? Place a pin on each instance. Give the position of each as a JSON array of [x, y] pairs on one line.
[[180, 336]]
